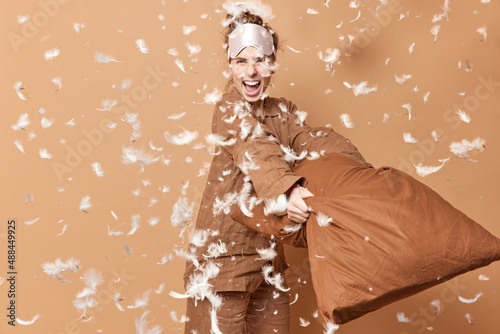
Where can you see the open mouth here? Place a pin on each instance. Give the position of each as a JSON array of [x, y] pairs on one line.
[[251, 87]]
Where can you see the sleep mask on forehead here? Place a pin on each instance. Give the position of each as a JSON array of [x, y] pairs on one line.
[[250, 34]]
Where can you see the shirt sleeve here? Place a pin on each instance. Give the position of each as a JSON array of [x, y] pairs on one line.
[[317, 139], [252, 148]]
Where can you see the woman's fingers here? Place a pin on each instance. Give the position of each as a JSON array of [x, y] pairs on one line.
[[297, 209]]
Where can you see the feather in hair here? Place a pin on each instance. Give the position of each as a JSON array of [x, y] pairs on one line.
[[301, 117], [236, 9]]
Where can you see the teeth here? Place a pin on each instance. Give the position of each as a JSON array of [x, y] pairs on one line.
[[251, 83]]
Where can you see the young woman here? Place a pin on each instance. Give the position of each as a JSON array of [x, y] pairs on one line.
[[224, 276]]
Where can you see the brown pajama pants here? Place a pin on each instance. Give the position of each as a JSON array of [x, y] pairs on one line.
[[266, 310]]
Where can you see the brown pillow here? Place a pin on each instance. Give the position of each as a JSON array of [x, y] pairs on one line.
[[390, 236]]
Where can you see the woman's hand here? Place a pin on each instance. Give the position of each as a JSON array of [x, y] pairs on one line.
[[297, 209]]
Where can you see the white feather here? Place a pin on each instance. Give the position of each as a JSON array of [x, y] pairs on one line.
[[107, 104], [165, 259], [182, 213], [183, 138], [19, 145], [361, 89], [180, 65], [141, 45], [436, 303], [407, 106], [22, 122], [472, 300], [408, 138], [463, 148], [403, 78], [104, 59], [304, 322], [116, 298], [78, 26], [219, 140], [402, 317], [132, 155], [277, 280], [58, 82], [52, 54], [193, 49], [323, 220], [330, 56], [85, 203], [56, 268], [248, 164], [97, 169], [18, 86], [435, 31], [426, 170], [291, 156], [186, 30], [141, 326], [141, 301], [468, 316], [267, 253], [346, 121], [235, 9], [214, 97], [44, 154], [28, 322], [483, 278], [301, 117], [330, 328], [173, 316], [463, 116], [214, 250]]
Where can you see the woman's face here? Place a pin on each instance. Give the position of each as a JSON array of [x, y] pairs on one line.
[[251, 72]]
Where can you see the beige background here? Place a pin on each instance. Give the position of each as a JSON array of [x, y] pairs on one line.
[[112, 29]]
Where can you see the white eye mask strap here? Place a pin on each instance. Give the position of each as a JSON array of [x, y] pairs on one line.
[[250, 34]]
